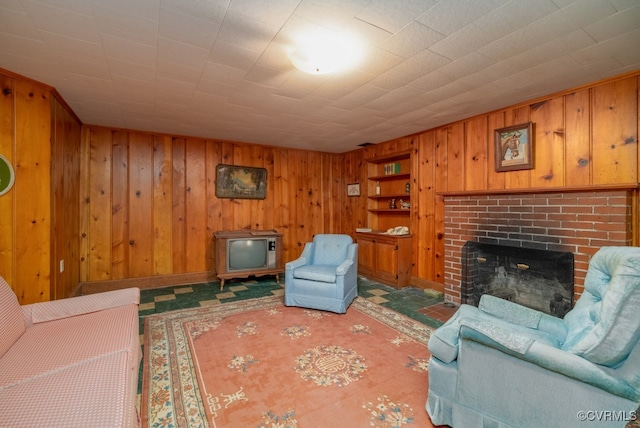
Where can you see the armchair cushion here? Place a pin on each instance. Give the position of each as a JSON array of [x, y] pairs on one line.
[[604, 326], [321, 273], [330, 249], [12, 324]]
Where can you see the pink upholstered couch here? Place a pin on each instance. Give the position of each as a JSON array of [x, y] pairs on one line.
[[71, 362]]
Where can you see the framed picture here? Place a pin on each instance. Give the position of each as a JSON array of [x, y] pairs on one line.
[[353, 189], [513, 146], [240, 182], [7, 176]]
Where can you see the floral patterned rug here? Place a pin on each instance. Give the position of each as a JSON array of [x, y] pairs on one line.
[[258, 363]]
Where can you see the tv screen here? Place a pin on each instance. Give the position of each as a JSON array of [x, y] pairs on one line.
[[247, 254]]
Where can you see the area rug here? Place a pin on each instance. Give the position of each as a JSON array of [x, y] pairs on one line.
[[258, 363]]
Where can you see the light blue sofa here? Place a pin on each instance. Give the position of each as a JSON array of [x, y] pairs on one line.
[[504, 365], [325, 276]]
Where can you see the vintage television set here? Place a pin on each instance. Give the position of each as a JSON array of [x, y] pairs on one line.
[[245, 253]]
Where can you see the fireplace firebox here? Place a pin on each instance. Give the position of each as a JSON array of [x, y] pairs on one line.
[[538, 279]]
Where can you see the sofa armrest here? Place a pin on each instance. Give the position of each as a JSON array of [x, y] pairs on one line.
[[73, 306]]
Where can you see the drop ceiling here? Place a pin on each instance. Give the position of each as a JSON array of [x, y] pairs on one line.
[[220, 69]]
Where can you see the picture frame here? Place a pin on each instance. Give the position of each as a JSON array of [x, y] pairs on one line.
[[353, 189], [7, 175], [240, 182], [513, 147]]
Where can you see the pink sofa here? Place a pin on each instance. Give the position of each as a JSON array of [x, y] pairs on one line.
[[71, 362]]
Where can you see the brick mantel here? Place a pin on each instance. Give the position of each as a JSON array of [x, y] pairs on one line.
[[576, 221]]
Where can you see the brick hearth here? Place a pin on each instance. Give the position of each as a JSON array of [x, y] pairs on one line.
[[578, 222]]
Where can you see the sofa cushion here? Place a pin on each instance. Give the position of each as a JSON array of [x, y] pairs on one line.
[[11, 319], [54, 345], [98, 392]]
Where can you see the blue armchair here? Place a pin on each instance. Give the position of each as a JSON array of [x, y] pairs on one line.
[[504, 365], [325, 275]]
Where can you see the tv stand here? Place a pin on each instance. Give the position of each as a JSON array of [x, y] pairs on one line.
[[222, 256]]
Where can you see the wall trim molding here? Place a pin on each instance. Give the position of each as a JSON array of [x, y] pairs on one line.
[[146, 282]]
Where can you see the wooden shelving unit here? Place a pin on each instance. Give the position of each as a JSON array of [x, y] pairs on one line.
[[392, 174], [383, 257]]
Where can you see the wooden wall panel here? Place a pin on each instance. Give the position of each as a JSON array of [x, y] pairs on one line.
[[423, 197], [475, 153], [179, 209], [615, 132], [455, 157], [162, 205], [576, 138], [548, 135], [196, 206], [32, 187], [140, 205], [120, 205], [7, 201], [65, 199], [99, 205]]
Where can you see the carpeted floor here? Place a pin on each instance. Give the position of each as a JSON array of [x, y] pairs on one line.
[[281, 364], [410, 301]]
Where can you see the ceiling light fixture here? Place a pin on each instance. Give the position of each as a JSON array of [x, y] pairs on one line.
[[326, 54]]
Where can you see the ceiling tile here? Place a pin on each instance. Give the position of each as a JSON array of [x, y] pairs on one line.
[[201, 32], [125, 25], [62, 21], [386, 14], [448, 16]]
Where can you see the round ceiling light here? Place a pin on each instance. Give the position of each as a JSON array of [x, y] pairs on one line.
[[326, 54]]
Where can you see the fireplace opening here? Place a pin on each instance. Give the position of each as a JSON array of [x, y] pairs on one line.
[[538, 279]]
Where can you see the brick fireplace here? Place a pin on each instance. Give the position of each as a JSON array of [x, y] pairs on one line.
[[576, 222]]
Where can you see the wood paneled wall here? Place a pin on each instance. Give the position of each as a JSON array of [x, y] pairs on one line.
[[38, 225], [583, 139], [153, 210], [149, 206], [65, 200], [146, 204]]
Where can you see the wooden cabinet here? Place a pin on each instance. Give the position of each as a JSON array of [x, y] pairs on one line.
[[389, 191], [385, 258]]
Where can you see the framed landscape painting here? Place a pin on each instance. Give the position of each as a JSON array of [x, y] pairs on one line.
[[240, 182], [513, 147]]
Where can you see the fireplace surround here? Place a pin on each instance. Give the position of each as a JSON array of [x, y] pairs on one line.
[[577, 222]]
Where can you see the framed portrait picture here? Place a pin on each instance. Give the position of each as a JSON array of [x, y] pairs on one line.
[[240, 182], [353, 189], [7, 176], [513, 147]]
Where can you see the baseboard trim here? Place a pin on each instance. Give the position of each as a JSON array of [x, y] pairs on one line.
[[427, 284], [92, 287]]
